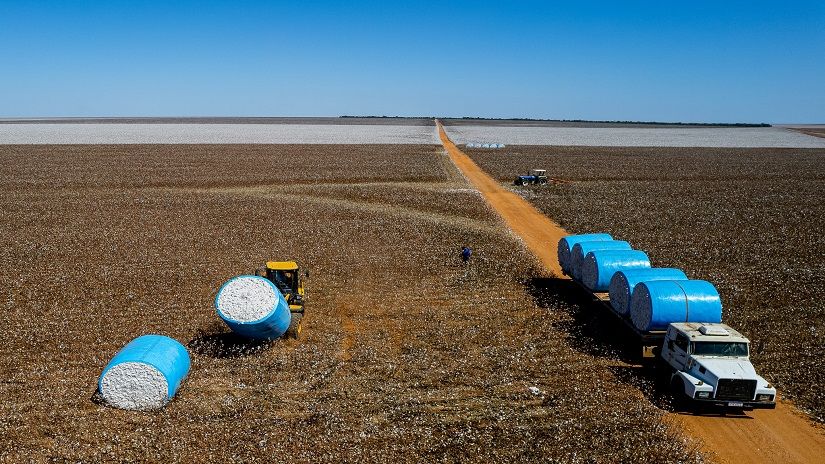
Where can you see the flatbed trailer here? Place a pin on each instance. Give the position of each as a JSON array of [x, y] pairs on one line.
[[650, 342]]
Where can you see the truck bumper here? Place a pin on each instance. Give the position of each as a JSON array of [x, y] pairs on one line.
[[735, 404]]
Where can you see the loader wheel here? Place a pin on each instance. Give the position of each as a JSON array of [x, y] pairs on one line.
[[294, 329]]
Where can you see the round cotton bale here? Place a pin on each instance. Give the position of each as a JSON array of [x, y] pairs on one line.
[[623, 283], [581, 249], [566, 245], [253, 307], [600, 265], [471, 145], [145, 374], [654, 305]]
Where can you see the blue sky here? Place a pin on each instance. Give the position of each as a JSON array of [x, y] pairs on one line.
[[672, 61]]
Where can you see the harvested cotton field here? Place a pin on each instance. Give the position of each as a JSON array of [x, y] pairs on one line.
[[747, 220], [217, 133], [624, 136], [405, 355]]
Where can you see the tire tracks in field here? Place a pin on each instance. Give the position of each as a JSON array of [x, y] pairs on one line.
[[764, 436], [386, 209]]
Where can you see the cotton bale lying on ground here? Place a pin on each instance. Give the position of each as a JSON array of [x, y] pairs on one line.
[[253, 307], [623, 282], [654, 305], [567, 243], [145, 374], [599, 266]]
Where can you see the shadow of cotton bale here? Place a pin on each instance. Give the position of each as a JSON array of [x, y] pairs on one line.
[[216, 342]]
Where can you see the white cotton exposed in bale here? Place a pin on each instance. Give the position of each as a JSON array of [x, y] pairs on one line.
[[253, 307], [144, 374], [485, 145]]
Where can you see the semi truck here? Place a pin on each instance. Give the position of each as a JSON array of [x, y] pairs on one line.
[[704, 363]]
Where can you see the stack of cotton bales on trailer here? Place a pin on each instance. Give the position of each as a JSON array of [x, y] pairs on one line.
[[650, 298]]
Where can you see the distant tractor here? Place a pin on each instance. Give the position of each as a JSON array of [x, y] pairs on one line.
[[535, 177]]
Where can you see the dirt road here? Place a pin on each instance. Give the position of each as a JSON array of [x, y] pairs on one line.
[[768, 436], [536, 230]]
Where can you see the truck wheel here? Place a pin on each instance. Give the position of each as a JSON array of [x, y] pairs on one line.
[[294, 329], [677, 390]]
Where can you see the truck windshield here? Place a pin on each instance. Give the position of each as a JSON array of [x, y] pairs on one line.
[[720, 349]]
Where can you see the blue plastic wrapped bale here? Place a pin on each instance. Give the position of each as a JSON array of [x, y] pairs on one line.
[[654, 305], [565, 248], [623, 282], [600, 265], [144, 374], [581, 249], [253, 307]]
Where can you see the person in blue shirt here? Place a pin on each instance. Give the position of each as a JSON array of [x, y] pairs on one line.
[[466, 252]]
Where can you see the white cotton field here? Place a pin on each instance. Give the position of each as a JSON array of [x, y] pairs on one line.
[[775, 137], [68, 133]]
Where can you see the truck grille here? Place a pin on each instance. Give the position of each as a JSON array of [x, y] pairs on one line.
[[735, 389]]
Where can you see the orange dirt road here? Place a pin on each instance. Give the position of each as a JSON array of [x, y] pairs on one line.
[[538, 232], [765, 436]]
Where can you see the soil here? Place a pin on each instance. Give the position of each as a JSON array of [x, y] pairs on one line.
[[406, 355]]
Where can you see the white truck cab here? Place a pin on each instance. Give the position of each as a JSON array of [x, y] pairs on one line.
[[711, 366]]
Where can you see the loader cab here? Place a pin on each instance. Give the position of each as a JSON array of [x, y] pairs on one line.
[[287, 277]]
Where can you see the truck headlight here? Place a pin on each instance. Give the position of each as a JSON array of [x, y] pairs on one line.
[[704, 395], [764, 397]]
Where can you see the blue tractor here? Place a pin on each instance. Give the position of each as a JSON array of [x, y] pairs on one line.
[[535, 177]]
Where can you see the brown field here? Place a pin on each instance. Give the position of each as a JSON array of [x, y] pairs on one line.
[[748, 220], [405, 355]]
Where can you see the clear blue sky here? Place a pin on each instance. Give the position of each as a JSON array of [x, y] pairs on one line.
[[676, 61]]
